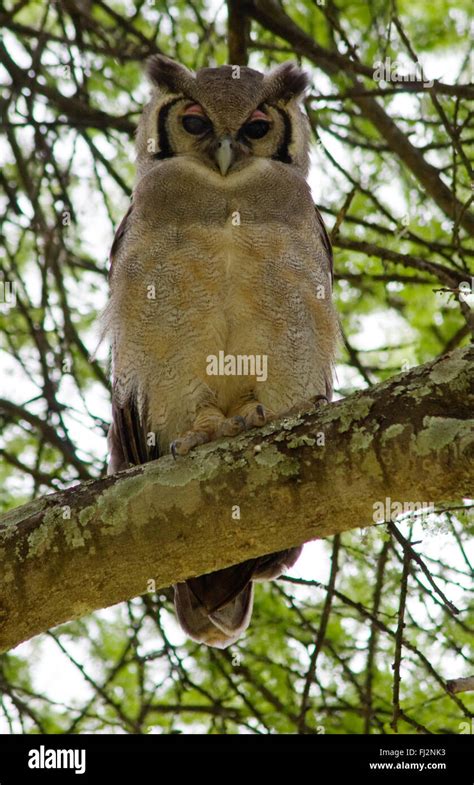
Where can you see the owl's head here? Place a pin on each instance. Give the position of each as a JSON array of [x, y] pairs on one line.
[[223, 117]]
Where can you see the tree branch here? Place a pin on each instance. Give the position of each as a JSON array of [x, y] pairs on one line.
[[273, 18], [461, 685], [238, 29], [409, 439]]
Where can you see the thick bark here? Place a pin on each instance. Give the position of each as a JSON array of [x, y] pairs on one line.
[[410, 439]]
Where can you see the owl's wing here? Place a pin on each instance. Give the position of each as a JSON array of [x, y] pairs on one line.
[[326, 243], [127, 439], [119, 236]]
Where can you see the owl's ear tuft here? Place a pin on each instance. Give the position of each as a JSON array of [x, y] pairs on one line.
[[168, 75], [285, 82]]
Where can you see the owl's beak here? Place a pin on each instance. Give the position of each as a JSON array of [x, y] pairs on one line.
[[225, 154]]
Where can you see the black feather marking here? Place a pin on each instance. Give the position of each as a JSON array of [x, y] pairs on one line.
[[283, 154], [163, 140]]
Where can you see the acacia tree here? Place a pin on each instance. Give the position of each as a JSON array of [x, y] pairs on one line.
[[369, 639]]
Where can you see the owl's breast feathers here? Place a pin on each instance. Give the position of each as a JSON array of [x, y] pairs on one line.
[[205, 265]]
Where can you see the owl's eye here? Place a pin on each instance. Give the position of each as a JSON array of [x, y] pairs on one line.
[[256, 129], [196, 124]]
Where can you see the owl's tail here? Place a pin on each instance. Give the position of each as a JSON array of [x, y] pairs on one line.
[[215, 609]]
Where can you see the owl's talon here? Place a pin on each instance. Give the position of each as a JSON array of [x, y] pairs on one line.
[[186, 442], [304, 407], [231, 426], [173, 449], [257, 417], [318, 399]]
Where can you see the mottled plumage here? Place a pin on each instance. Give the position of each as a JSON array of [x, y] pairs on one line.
[[222, 250]]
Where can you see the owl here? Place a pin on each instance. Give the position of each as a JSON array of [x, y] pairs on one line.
[[220, 315]]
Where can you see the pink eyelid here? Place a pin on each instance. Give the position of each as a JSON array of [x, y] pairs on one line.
[[258, 115], [195, 109]]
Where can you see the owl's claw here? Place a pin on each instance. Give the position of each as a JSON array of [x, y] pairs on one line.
[[186, 442], [257, 416], [318, 400], [231, 426], [303, 407]]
